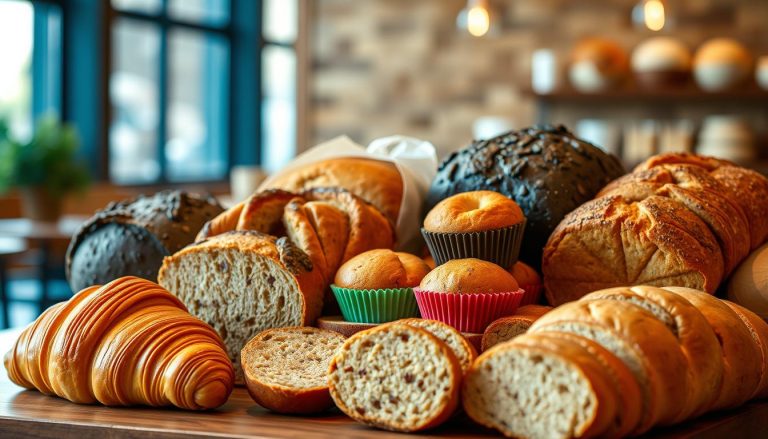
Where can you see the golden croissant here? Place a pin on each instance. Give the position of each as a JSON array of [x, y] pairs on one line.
[[129, 342]]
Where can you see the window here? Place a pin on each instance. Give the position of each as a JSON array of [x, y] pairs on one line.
[[30, 77]]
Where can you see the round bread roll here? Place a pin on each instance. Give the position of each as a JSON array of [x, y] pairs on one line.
[[474, 211], [597, 64], [660, 61], [380, 269], [469, 276], [524, 274], [749, 284], [721, 63]]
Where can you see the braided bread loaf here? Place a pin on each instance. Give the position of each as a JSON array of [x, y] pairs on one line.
[[129, 342]]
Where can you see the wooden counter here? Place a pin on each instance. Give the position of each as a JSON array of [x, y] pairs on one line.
[[25, 413]]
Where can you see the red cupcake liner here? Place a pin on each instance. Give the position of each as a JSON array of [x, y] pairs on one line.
[[471, 312], [532, 294]]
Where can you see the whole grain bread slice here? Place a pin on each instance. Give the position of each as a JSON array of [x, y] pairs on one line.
[[286, 368], [460, 346]]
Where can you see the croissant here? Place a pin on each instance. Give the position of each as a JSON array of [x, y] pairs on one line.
[[129, 342]]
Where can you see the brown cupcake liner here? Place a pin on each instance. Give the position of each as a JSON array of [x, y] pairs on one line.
[[500, 246]]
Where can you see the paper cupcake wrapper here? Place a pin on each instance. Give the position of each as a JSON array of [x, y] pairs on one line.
[[376, 306], [500, 246], [467, 312], [532, 294]]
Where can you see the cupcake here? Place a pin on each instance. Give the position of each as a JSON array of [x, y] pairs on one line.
[[468, 294], [480, 224], [529, 280], [377, 286]]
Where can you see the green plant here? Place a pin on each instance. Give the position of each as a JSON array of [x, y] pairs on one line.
[[47, 161]]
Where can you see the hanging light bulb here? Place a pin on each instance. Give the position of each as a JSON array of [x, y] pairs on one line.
[[650, 14], [475, 18]]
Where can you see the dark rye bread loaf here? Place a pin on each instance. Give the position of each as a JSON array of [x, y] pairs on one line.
[[545, 169], [131, 237]]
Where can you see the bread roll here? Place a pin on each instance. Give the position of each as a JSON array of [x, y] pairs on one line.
[[380, 269], [475, 211], [396, 377], [466, 276], [286, 368]]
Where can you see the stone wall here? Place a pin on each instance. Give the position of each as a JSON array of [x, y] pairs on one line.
[[379, 67]]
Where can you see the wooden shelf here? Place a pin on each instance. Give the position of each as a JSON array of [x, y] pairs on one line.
[[751, 95]]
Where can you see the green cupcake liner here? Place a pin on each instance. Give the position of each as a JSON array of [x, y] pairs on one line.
[[376, 306]]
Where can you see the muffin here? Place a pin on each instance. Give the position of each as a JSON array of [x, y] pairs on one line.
[[529, 280], [468, 294], [377, 286], [479, 224]]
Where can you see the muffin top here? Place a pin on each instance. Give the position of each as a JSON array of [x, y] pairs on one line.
[[467, 276], [524, 274], [474, 211], [381, 268]]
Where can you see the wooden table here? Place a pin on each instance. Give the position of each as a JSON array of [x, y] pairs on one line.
[[26, 413]]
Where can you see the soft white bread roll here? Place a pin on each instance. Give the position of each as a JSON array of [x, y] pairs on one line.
[[460, 346], [286, 368], [538, 386], [741, 358], [749, 284], [758, 328], [696, 337], [648, 348], [396, 377]]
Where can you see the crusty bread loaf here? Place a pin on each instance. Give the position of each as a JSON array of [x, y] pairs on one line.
[[396, 377], [697, 340], [460, 346], [642, 342], [537, 387], [475, 211], [611, 241], [381, 268], [286, 368], [748, 285], [244, 282], [758, 328], [375, 181], [465, 276], [741, 357], [507, 328]]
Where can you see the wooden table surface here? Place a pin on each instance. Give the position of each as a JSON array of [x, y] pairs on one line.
[[25, 413], [24, 228]]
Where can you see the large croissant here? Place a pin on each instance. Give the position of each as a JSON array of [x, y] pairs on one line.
[[129, 342]]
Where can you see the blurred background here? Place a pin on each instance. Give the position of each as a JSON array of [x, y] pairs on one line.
[[122, 97]]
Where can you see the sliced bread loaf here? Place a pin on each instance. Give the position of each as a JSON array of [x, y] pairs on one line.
[[507, 328], [286, 368], [741, 357], [242, 283], [642, 342], [758, 328], [460, 346], [538, 386], [697, 340], [396, 377]]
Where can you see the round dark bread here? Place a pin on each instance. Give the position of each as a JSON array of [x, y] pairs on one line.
[[131, 237], [545, 169]]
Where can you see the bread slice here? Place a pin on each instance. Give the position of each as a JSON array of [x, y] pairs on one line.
[[460, 346], [507, 328], [536, 387], [758, 328], [697, 340], [286, 368], [264, 210], [611, 242], [642, 342], [242, 283], [396, 377], [741, 357]]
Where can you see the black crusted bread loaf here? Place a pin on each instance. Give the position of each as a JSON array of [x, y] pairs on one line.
[[131, 237], [545, 169]]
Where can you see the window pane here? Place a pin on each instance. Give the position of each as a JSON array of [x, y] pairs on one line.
[[145, 6], [133, 90], [196, 147], [46, 60], [16, 39], [281, 20], [278, 106], [212, 12]]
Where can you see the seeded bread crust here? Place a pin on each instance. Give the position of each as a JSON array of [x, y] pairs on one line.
[[697, 340], [396, 377], [460, 346], [303, 352]]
